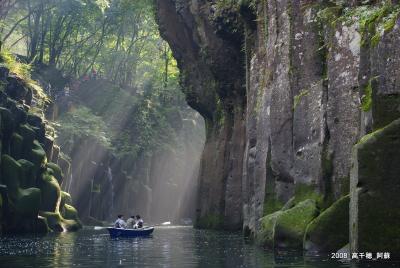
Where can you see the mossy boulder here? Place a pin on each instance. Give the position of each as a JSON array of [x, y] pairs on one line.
[[54, 220], [51, 192], [58, 224], [28, 173], [266, 236], [27, 133], [57, 172], [7, 122], [37, 155], [27, 203], [16, 146], [70, 213], [10, 173], [66, 198], [374, 192], [286, 228], [291, 224], [41, 226], [330, 230]]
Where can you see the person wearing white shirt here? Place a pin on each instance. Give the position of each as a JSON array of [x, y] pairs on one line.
[[120, 223]]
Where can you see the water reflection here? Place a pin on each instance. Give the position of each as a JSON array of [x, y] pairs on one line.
[[169, 247]]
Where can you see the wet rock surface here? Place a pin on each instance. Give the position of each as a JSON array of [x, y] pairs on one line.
[[318, 77], [31, 195]]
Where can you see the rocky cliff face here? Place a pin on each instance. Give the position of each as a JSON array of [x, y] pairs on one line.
[[32, 168], [287, 89]]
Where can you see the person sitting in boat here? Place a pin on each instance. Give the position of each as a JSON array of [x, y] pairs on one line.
[[131, 222], [120, 223], [139, 222]]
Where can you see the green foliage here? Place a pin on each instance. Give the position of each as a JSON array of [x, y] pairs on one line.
[[20, 69], [374, 21], [81, 122], [23, 71], [118, 39]]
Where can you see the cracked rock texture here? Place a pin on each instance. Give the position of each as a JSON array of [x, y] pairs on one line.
[[287, 88]]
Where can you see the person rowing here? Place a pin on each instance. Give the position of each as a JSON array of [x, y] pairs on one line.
[[131, 222], [120, 223], [139, 222]]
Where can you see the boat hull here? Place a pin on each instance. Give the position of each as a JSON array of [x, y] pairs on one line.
[[118, 232]]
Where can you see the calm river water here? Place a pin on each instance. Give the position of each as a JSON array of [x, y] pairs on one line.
[[168, 247]]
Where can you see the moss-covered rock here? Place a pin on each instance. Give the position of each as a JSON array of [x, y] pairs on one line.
[[70, 213], [51, 192], [330, 230], [286, 228], [58, 224], [27, 133], [374, 192], [7, 122], [66, 198], [57, 172], [266, 236], [10, 173], [27, 203], [28, 174], [271, 205], [54, 220], [37, 155], [16, 146], [291, 224]]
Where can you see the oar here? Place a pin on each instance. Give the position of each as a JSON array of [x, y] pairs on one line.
[[99, 228]]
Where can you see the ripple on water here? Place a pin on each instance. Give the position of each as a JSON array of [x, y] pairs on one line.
[[168, 247]]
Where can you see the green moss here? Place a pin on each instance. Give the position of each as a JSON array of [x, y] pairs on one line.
[[51, 193], [27, 133], [210, 221], [57, 172], [37, 155], [330, 15], [10, 173], [298, 97], [330, 230], [375, 21], [366, 99], [266, 236], [291, 224], [69, 212], [375, 184], [304, 191], [66, 198], [28, 173], [28, 202], [271, 205], [16, 146], [54, 220], [58, 224]]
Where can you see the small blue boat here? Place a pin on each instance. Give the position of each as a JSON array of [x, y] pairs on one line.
[[119, 232]]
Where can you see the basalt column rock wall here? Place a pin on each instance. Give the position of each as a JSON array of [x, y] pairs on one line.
[[319, 76], [213, 75]]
